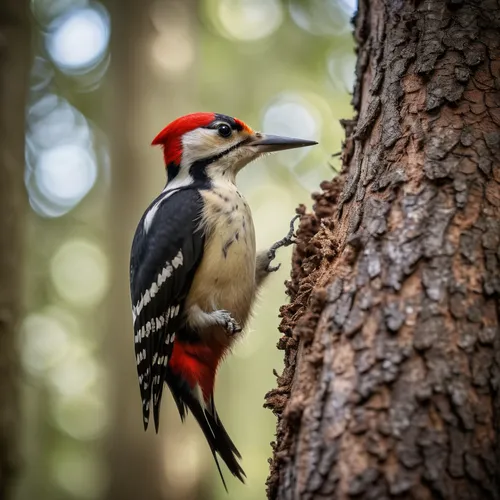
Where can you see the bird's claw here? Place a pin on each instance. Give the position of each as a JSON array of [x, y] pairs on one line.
[[288, 240], [226, 320], [273, 269]]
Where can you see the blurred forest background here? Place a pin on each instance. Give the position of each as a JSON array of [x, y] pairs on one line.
[[105, 78]]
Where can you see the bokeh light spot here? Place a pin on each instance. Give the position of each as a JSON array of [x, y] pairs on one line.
[[291, 115], [322, 17], [79, 271], [75, 375], [188, 449], [173, 52], [52, 120], [46, 11], [82, 417], [79, 472], [45, 341], [65, 174], [349, 6], [173, 46], [248, 20], [341, 68], [78, 40], [42, 73], [61, 167]]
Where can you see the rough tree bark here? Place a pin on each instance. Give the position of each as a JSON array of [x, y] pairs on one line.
[[391, 340], [14, 71]]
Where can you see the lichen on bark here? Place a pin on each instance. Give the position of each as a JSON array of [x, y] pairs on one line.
[[391, 338]]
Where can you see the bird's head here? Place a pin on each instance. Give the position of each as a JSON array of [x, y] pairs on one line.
[[209, 145]]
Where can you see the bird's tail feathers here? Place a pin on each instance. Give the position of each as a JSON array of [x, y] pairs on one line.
[[216, 435]]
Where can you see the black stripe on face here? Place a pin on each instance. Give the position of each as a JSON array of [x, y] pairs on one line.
[[198, 169]]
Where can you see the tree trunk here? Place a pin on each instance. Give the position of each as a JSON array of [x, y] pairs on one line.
[[392, 346], [141, 465], [134, 458], [14, 71]]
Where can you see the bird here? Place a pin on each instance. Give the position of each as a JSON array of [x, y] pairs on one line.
[[195, 271]]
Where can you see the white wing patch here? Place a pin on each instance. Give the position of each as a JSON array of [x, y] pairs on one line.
[[151, 326], [150, 293], [182, 179], [178, 260], [159, 359]]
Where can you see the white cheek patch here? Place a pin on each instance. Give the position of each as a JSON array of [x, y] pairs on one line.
[[203, 143], [236, 159]]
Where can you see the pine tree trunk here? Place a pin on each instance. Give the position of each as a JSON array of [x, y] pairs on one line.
[[14, 71], [391, 340]]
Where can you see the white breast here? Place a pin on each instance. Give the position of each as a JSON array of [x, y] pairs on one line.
[[226, 276]]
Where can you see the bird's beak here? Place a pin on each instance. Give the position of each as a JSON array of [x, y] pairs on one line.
[[264, 143]]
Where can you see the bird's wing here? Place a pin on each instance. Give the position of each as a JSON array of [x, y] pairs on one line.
[[167, 249]]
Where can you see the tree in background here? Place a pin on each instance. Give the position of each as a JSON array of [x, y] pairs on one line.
[[128, 447], [391, 339], [130, 86], [14, 70]]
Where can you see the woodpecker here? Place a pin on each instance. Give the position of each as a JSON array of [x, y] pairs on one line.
[[194, 269]]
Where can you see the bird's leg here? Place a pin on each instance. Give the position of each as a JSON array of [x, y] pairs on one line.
[[199, 319], [284, 242], [265, 257]]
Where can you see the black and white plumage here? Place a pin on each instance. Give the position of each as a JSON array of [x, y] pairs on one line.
[[166, 252], [164, 257], [194, 270]]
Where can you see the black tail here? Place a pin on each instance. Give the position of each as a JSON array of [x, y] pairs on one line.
[[218, 439]]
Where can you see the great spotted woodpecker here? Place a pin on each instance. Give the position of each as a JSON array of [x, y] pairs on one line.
[[194, 269]]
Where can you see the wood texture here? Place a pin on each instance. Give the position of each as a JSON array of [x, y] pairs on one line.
[[391, 339]]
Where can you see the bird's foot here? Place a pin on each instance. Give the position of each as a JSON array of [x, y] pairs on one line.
[[225, 319], [288, 240]]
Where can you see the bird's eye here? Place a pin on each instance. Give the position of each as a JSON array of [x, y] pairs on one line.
[[224, 130]]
